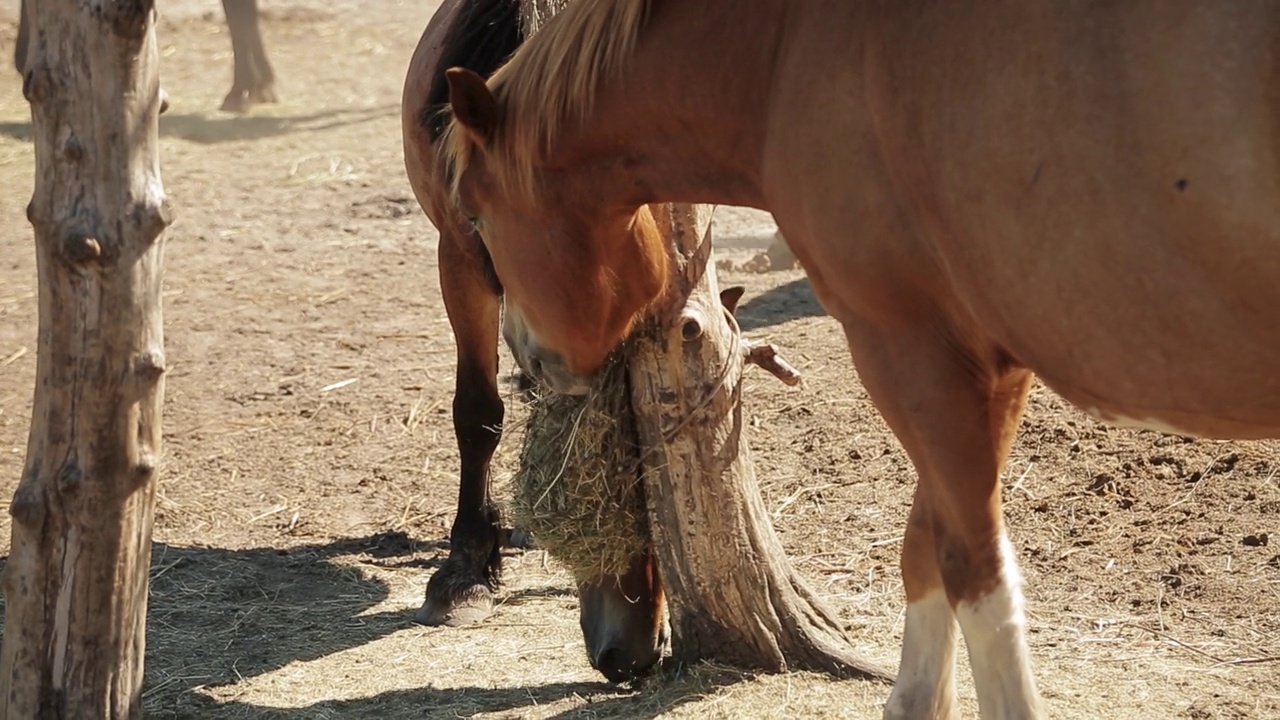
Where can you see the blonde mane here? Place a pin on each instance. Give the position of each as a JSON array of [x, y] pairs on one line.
[[551, 80]]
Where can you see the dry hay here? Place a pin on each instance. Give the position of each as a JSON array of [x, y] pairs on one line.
[[578, 488]]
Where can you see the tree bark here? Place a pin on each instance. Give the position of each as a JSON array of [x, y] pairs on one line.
[[731, 594], [76, 578]]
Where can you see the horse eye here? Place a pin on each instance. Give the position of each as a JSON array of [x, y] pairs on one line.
[[475, 223]]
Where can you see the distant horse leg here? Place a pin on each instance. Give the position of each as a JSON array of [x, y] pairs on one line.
[[461, 591], [956, 415], [254, 80], [20, 47]]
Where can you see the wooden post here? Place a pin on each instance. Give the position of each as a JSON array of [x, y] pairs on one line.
[[76, 580], [731, 593]]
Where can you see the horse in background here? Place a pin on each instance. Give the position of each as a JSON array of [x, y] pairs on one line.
[[253, 81], [622, 617], [977, 191]]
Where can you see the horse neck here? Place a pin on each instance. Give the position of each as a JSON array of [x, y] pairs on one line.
[[687, 117]]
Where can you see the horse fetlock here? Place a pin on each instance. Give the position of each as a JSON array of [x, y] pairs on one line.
[[518, 538], [995, 632], [264, 93], [916, 708], [926, 675]]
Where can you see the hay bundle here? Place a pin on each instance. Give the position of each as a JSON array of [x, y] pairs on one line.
[[578, 489]]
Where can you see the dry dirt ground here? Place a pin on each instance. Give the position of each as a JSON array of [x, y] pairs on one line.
[[310, 467]]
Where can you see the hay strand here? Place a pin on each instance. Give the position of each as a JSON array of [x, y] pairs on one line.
[[578, 488]]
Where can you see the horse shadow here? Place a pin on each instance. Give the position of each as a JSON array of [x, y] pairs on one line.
[[652, 699], [778, 305], [210, 128], [217, 616]]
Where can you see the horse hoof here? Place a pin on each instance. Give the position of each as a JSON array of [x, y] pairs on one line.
[[519, 539], [237, 101], [469, 610], [264, 94]]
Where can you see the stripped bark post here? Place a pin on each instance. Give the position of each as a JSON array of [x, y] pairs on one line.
[[731, 594], [76, 580]]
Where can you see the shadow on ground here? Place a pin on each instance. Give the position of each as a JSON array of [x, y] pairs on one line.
[[217, 616], [657, 697], [778, 305], [211, 127]]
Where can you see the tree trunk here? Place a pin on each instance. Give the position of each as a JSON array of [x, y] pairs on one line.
[[76, 578], [731, 593]]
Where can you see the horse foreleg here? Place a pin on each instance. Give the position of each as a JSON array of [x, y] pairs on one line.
[[955, 414], [461, 591], [254, 79]]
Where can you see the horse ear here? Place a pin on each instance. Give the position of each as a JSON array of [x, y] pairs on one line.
[[473, 105]]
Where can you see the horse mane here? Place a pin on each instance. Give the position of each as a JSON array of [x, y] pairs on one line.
[[550, 80], [483, 38]]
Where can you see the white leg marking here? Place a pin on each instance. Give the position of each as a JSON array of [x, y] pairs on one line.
[[926, 686], [995, 633]]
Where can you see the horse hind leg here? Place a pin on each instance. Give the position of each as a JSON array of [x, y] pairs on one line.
[[994, 621], [263, 89], [253, 81], [926, 676], [23, 41], [955, 415], [461, 591]]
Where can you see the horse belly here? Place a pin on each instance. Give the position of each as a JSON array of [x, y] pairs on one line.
[[1106, 200], [1145, 337]]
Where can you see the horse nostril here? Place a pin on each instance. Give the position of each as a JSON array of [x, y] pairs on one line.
[[535, 368], [613, 665]]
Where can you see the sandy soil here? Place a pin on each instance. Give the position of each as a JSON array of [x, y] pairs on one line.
[[310, 468]]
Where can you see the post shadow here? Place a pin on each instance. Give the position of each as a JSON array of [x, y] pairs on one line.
[[211, 128], [778, 305]]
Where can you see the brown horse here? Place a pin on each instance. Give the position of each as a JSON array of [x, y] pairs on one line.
[[253, 81], [978, 191], [621, 617]]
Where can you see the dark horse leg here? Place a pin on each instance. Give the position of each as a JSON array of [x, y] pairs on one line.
[[254, 81], [479, 35], [20, 47], [461, 591]]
